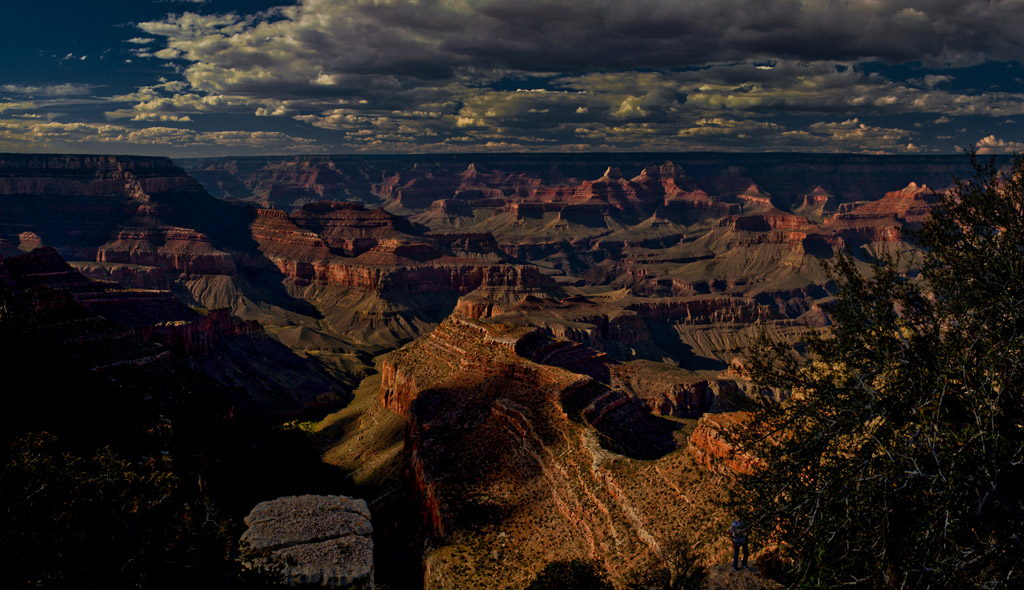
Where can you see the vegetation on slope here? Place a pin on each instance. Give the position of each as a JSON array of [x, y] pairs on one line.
[[571, 574], [898, 460], [101, 522]]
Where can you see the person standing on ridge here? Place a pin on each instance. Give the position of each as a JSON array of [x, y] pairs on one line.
[[738, 532]]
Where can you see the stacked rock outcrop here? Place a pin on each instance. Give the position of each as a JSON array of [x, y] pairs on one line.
[[314, 540]]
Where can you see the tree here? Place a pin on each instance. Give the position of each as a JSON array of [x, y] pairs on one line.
[[571, 574], [897, 461], [679, 568], [101, 522]]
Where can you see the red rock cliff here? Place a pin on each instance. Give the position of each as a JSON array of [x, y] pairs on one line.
[[711, 445]]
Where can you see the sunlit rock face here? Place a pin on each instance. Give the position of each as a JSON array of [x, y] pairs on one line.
[[711, 445], [500, 437]]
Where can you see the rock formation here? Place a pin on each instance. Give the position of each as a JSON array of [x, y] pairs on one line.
[[321, 541], [92, 372], [513, 434], [343, 277], [711, 445], [282, 183], [219, 345], [580, 314], [372, 179]]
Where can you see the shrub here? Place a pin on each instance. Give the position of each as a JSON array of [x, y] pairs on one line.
[[898, 459], [101, 522], [571, 574]]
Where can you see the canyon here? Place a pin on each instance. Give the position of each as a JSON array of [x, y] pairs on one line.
[[508, 349]]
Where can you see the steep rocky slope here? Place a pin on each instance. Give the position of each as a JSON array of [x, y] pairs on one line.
[[120, 327], [75, 372], [172, 389], [513, 437], [331, 277]]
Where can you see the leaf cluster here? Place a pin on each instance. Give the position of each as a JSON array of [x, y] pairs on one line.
[[101, 522], [897, 460]]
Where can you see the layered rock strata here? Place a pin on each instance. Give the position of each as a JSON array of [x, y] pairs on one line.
[[99, 376], [136, 219], [236, 353], [426, 178], [694, 332], [391, 263], [507, 433], [327, 274], [712, 444], [504, 229]]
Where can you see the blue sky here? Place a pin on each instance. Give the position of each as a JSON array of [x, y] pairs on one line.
[[233, 77]]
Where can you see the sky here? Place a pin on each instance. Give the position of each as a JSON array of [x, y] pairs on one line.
[[246, 77]]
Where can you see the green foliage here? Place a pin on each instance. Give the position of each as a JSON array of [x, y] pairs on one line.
[[571, 574], [100, 522], [898, 460], [306, 426]]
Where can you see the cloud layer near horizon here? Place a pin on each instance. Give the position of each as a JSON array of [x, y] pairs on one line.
[[440, 75]]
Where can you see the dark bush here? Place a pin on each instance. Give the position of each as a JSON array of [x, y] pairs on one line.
[[102, 522], [571, 574]]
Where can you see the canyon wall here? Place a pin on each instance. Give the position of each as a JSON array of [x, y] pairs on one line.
[[117, 327], [562, 331], [850, 177], [492, 450], [513, 436]]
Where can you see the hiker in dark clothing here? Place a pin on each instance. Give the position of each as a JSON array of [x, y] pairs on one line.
[[738, 532]]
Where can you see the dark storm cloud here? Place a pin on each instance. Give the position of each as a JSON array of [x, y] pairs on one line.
[[433, 39], [603, 74]]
